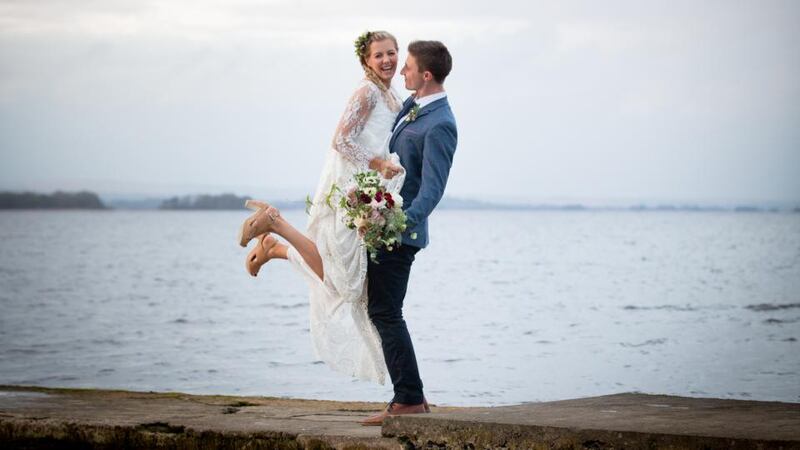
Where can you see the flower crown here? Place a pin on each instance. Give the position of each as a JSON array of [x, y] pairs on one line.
[[361, 43]]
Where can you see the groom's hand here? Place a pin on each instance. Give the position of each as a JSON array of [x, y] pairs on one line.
[[385, 168], [390, 171]]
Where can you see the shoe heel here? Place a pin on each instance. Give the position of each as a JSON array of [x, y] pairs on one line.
[[254, 205], [240, 235]]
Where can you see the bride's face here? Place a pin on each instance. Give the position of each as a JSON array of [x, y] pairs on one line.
[[383, 59]]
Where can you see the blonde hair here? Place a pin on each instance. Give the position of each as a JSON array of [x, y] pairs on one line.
[[362, 50]]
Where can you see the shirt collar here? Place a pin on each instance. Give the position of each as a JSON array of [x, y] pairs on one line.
[[428, 99]]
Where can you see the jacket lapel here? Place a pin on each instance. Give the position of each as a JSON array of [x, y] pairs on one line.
[[431, 107], [422, 112], [407, 105], [396, 133]]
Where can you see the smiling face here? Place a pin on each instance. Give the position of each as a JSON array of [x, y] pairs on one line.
[[414, 79], [382, 59]]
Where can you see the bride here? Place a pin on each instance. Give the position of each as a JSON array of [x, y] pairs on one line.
[[330, 255]]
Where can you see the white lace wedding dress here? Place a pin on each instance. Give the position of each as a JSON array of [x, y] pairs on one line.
[[342, 334]]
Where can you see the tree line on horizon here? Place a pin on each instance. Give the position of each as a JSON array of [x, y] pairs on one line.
[[56, 200], [222, 201]]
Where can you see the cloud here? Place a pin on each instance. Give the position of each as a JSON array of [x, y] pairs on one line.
[[570, 98], [271, 23]]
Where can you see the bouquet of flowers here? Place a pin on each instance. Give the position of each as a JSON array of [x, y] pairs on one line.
[[376, 213]]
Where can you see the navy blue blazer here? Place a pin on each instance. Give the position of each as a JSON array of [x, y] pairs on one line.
[[426, 147]]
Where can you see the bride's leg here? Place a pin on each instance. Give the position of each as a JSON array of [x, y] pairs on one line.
[[301, 243], [280, 251], [268, 219]]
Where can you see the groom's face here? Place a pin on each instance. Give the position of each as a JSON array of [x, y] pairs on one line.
[[410, 72]]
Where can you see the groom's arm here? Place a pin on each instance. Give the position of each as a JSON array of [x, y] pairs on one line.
[[437, 158]]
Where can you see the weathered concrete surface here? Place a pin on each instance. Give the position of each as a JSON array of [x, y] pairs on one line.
[[614, 421], [34, 418]]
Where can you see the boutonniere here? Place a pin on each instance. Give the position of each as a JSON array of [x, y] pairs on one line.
[[412, 115]]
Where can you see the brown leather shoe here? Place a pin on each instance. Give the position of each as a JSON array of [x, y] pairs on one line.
[[394, 409]]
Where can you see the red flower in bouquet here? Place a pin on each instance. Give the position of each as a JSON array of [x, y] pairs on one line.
[[389, 200]]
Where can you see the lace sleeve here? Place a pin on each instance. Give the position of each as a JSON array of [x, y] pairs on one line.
[[352, 123]]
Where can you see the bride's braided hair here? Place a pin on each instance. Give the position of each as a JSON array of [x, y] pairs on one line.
[[362, 44]]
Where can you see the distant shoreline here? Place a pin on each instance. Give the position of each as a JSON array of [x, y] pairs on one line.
[[88, 200], [56, 200]]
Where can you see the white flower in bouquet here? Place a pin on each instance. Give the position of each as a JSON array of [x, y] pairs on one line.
[[375, 205]]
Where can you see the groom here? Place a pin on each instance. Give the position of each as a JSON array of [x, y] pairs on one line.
[[424, 138]]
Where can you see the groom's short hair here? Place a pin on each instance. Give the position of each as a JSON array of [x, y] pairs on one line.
[[432, 56]]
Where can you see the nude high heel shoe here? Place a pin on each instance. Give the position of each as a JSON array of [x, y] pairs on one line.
[[259, 223], [260, 254]]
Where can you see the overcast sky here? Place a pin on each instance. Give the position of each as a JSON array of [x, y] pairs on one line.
[[695, 101]]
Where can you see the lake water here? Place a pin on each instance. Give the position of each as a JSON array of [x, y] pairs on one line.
[[504, 306]]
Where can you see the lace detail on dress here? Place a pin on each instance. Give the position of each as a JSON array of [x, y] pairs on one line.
[[393, 101], [352, 124], [342, 333]]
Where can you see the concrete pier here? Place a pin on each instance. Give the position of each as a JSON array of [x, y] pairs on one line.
[[33, 418], [635, 421]]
